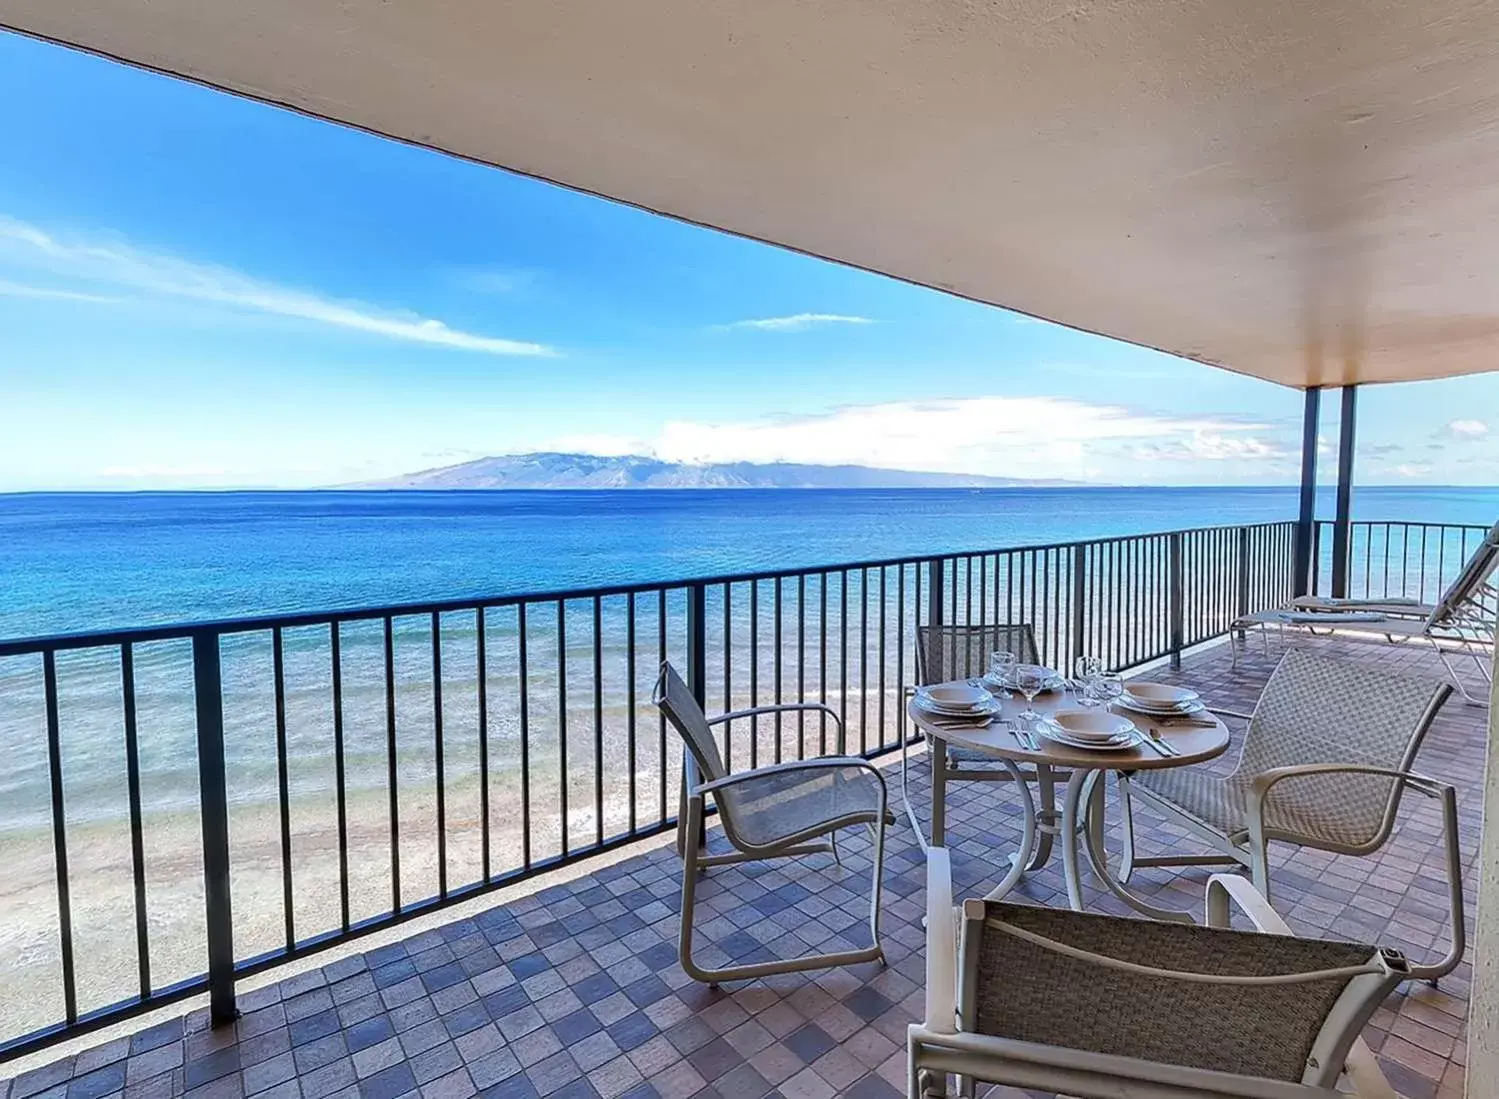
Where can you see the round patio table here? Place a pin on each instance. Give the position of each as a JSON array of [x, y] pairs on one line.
[[1083, 805]]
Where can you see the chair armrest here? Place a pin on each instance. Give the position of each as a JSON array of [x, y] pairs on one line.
[[1441, 791], [823, 763], [941, 945], [781, 708], [1223, 888]]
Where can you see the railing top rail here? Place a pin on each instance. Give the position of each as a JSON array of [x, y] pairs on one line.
[[177, 631], [1407, 523]]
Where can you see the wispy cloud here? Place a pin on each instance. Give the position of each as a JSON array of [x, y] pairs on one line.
[[150, 274], [10, 289], [797, 322], [1005, 436]]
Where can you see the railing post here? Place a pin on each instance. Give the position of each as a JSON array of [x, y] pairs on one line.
[[208, 698], [1177, 610], [697, 683], [1079, 595], [1243, 579], [934, 592]]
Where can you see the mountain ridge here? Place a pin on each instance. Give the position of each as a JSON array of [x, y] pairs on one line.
[[561, 470]]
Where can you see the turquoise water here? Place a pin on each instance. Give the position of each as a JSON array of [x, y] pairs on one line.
[[73, 562]]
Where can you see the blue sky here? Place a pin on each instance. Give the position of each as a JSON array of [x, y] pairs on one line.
[[199, 291]]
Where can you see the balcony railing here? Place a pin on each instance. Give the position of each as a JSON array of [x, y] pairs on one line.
[[205, 801], [1396, 559]]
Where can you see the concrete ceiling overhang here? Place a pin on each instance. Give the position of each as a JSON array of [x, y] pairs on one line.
[[1307, 192]]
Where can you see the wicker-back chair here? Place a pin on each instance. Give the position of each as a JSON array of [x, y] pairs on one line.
[[776, 811], [1325, 758], [948, 653], [1103, 1006]]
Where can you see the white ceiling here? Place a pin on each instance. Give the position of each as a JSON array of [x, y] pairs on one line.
[[1302, 190]]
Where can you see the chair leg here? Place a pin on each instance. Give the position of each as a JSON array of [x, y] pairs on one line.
[[1127, 829], [833, 843], [1259, 869]]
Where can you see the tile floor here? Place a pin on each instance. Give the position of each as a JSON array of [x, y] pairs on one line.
[[575, 990]]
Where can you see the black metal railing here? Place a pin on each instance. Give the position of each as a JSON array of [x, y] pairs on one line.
[[205, 801], [1395, 559]]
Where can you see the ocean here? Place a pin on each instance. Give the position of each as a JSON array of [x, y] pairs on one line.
[[83, 562]]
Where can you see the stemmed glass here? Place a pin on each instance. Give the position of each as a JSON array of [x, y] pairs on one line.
[[1087, 671], [1108, 688], [1029, 679], [1001, 666]]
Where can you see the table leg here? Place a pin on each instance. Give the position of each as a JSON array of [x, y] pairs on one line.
[[939, 791], [1098, 855], [1046, 781], [1077, 785], [1021, 860]]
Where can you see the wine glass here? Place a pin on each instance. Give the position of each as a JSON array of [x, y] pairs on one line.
[[1108, 688], [1001, 667], [1086, 671], [1029, 679]]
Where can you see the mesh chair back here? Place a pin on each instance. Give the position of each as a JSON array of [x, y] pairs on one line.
[[1316, 710], [1029, 993], [1465, 589], [686, 716], [945, 653]]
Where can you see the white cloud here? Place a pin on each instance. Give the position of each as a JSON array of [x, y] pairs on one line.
[[146, 273], [1212, 446], [796, 323], [1002, 436], [602, 445], [1412, 469], [10, 289], [1467, 429]]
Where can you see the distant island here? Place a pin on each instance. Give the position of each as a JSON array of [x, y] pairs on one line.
[[589, 471]]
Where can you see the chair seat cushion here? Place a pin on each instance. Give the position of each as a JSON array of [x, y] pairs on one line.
[[768, 809]]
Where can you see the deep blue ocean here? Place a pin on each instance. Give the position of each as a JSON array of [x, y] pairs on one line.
[[81, 561]]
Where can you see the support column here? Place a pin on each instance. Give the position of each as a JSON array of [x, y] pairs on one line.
[[1307, 518], [1341, 532]]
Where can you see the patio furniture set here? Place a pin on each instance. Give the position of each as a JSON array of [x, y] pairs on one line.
[[1070, 1001]]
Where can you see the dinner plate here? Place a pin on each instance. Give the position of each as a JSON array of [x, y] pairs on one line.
[[1176, 711], [1159, 696], [989, 708], [1054, 733], [950, 696], [1092, 725]]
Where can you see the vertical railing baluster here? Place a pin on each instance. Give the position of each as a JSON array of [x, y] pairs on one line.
[[339, 777], [598, 720], [660, 715], [523, 690], [562, 719], [60, 841], [822, 742], [754, 671], [900, 649], [137, 828], [630, 707], [884, 594], [1175, 599], [208, 697], [778, 671], [1078, 627], [863, 661], [439, 763], [481, 672], [391, 771]]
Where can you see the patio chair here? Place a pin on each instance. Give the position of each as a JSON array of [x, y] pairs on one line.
[[947, 653], [778, 811], [1324, 761], [1102, 1007], [1461, 622]]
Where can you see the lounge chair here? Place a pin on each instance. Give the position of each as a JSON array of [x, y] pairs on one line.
[[778, 811], [1324, 761], [1102, 1007], [1460, 623]]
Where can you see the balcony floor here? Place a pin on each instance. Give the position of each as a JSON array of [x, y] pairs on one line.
[[575, 990]]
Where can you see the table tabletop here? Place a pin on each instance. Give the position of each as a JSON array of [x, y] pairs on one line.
[[1195, 743]]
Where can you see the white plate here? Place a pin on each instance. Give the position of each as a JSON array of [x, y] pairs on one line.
[[1053, 733], [1175, 711], [1092, 725], [1159, 696], [988, 709], [952, 696]]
